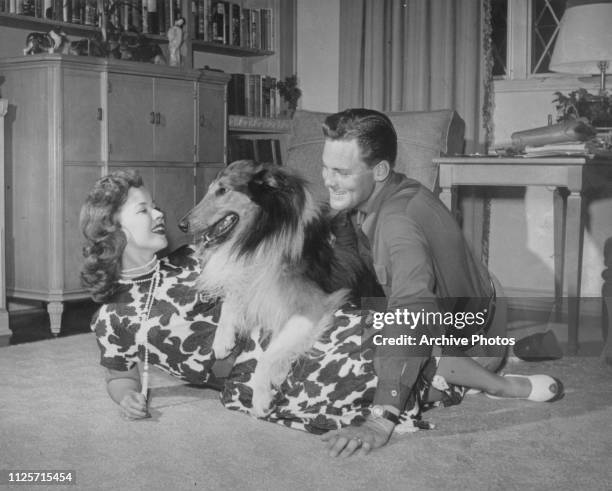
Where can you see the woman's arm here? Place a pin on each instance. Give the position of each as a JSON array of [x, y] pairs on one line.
[[124, 388]]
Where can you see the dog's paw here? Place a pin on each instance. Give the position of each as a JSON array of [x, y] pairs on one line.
[[262, 393], [261, 403], [223, 344]]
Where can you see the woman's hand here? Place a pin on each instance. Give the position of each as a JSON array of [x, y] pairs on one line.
[[134, 406], [373, 433]]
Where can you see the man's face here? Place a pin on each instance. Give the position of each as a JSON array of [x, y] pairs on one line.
[[347, 177]]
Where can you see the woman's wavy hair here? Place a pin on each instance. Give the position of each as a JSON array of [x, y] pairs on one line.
[[104, 239]]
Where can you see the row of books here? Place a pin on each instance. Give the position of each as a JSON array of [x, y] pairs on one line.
[[73, 11], [232, 24], [146, 16], [252, 95]]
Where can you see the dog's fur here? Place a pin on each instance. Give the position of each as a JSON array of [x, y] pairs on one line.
[[265, 249]]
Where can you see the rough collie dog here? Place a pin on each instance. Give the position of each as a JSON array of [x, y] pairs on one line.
[[265, 249]]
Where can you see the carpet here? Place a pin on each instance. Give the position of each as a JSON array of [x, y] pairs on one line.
[[55, 414]]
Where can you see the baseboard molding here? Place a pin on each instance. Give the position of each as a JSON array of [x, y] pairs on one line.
[[539, 301]]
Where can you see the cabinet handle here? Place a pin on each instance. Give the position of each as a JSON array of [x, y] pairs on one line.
[[99, 114], [157, 118], [152, 117], [202, 120]]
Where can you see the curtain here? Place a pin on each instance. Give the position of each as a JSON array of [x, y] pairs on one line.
[[418, 55]]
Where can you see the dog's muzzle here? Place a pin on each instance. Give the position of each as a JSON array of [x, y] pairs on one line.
[[216, 233]]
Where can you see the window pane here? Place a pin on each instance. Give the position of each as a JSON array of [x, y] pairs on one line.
[[499, 36], [546, 16]]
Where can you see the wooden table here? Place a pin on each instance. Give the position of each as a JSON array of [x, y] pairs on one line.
[[570, 176]]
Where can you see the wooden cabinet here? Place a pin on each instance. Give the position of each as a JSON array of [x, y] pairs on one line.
[[150, 119], [73, 119]]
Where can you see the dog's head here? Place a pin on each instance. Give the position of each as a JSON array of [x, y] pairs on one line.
[[249, 203]]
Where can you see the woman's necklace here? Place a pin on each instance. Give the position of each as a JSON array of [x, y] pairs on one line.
[[129, 273], [142, 336]]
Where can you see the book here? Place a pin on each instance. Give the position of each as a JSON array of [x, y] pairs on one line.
[[235, 24], [28, 8], [236, 97], [565, 148], [136, 14], [163, 7], [152, 17], [76, 11], [255, 28], [218, 21], [245, 28]]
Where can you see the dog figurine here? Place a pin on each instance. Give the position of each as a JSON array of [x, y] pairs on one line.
[[266, 249], [54, 41]]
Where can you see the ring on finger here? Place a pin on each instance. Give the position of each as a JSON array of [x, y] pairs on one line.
[[358, 440]]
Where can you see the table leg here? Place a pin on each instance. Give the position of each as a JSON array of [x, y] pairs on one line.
[[473, 213], [573, 267], [446, 197], [559, 216]]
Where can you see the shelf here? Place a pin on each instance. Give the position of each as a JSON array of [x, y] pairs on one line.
[[227, 49], [39, 24]]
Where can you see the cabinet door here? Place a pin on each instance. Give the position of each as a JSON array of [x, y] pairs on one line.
[[131, 118], [205, 175], [175, 194], [82, 115], [78, 180], [174, 128], [211, 123]]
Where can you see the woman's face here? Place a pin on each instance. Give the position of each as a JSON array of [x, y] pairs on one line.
[[143, 224]]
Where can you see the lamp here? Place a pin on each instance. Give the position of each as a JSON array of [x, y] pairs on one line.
[[584, 42]]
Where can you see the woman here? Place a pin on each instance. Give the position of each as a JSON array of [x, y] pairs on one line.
[[152, 314]]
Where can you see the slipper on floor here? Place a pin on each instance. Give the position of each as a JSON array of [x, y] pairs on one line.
[[544, 388]]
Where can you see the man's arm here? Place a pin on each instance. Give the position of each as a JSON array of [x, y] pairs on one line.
[[410, 281]]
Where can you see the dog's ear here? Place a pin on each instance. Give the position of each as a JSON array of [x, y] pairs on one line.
[[263, 181]]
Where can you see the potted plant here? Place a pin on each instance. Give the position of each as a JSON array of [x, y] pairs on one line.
[[290, 94], [597, 109]]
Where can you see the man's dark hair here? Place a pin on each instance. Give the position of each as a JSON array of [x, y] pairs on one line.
[[373, 131]]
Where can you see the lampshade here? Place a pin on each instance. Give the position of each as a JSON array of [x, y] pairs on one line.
[[584, 39]]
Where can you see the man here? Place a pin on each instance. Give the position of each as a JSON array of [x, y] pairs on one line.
[[421, 260]]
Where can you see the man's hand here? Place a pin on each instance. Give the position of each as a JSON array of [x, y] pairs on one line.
[[373, 433], [134, 406]]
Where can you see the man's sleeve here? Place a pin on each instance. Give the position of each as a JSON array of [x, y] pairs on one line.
[[410, 279]]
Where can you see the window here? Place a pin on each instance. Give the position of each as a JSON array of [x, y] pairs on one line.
[[499, 35], [523, 36], [546, 17]]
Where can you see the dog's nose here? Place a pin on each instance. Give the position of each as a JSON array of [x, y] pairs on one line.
[[184, 225]]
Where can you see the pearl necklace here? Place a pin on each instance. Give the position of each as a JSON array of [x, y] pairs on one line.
[[130, 273], [142, 336]]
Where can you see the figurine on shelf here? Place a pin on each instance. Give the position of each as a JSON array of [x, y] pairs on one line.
[[175, 42], [54, 41]]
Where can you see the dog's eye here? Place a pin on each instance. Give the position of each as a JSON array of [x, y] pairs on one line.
[[221, 191]]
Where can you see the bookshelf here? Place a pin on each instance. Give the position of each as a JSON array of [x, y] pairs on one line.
[[193, 39]]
